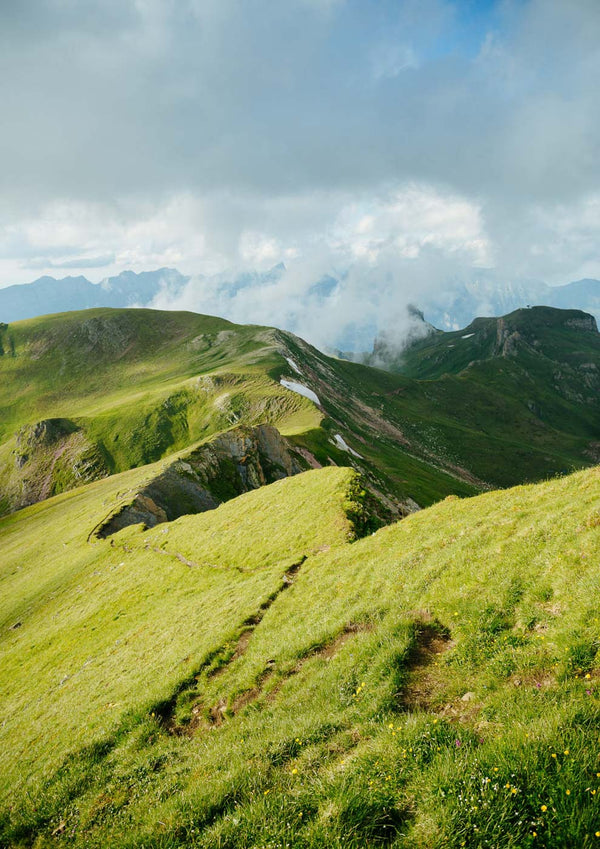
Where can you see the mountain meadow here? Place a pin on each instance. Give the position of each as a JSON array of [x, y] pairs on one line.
[[256, 596]]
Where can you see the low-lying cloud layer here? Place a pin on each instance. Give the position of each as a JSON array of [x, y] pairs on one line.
[[387, 144]]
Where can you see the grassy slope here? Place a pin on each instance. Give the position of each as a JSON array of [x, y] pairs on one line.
[[140, 383], [333, 721], [117, 628], [555, 331], [116, 367], [144, 383], [512, 413]]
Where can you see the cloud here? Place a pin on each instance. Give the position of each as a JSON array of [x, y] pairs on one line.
[[351, 275], [46, 262], [372, 141], [148, 97]]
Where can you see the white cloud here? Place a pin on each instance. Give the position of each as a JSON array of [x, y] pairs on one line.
[[383, 252], [330, 135], [409, 219]]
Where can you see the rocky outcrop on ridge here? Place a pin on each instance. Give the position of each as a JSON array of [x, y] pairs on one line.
[[232, 463], [49, 457]]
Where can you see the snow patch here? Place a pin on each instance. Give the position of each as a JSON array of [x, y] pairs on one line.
[[341, 443], [293, 365], [467, 336], [300, 389]]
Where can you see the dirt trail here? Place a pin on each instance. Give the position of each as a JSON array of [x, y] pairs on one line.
[[326, 652], [167, 711], [432, 640]]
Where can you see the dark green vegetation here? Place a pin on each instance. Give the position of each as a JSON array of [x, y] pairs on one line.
[[95, 393], [269, 672], [567, 338], [250, 677], [509, 395]]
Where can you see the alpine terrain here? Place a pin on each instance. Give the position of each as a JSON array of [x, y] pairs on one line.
[[256, 596]]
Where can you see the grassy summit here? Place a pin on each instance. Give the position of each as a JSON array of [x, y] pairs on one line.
[[253, 677], [102, 391]]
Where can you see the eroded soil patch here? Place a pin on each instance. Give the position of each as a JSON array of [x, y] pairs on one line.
[[214, 666], [431, 640], [207, 717]]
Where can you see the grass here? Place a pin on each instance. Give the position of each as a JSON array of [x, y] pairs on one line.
[[142, 384], [138, 384], [434, 684], [57, 576], [102, 364]]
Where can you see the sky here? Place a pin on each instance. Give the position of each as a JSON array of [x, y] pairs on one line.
[[395, 142]]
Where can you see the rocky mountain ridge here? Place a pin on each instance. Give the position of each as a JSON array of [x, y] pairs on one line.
[[234, 462], [99, 392]]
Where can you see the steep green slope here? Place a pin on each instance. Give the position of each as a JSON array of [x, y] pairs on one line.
[[54, 580], [509, 395], [566, 337], [93, 393], [102, 391], [248, 677], [125, 375]]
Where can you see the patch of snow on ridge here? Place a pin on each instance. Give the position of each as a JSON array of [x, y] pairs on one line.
[[293, 365], [467, 336], [300, 389], [341, 443]]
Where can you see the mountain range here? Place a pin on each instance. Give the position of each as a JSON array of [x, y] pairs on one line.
[[48, 295], [449, 305], [256, 596]]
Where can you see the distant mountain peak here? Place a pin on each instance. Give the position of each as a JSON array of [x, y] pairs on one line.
[[560, 336], [148, 282], [488, 293]]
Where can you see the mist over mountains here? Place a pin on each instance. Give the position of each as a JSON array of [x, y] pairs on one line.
[[486, 294], [49, 295], [346, 311]]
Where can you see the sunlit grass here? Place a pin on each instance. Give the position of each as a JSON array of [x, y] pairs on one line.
[[171, 730]]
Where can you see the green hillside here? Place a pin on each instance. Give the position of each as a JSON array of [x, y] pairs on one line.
[[99, 392], [509, 395], [130, 387], [566, 337], [253, 677], [95, 393]]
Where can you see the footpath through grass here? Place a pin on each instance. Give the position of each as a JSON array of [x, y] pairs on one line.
[[251, 678]]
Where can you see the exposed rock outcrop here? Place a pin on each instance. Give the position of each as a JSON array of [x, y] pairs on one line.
[[507, 339], [31, 438], [586, 322], [50, 456], [234, 462]]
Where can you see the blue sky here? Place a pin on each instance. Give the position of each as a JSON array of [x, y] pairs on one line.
[[406, 140]]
